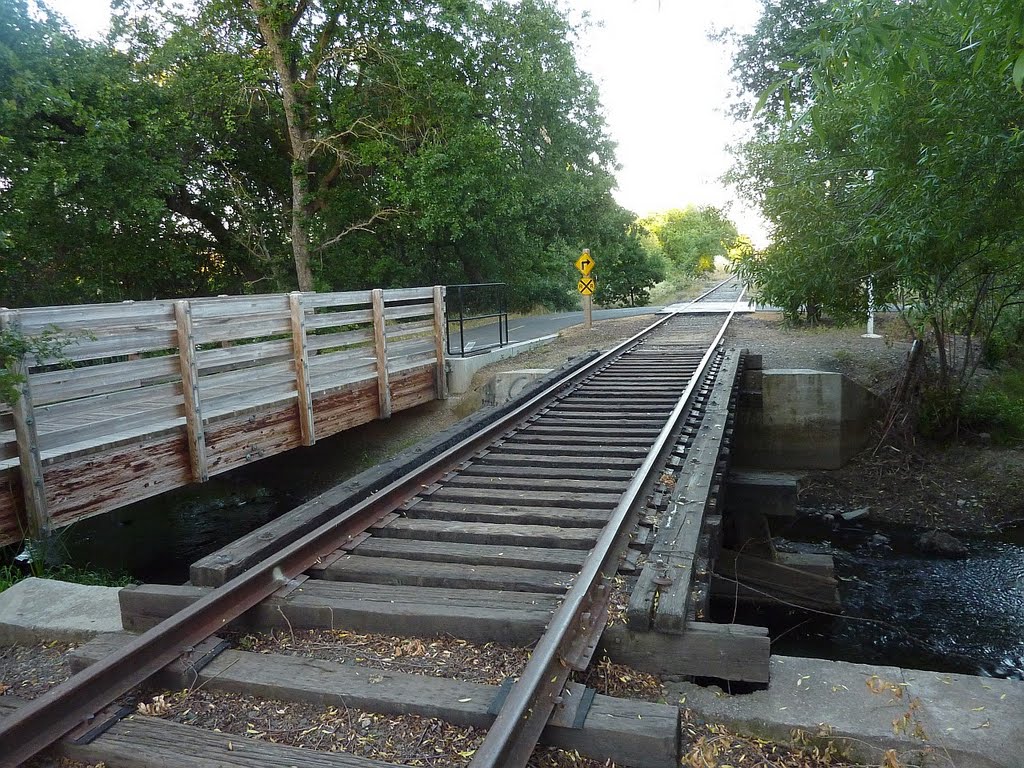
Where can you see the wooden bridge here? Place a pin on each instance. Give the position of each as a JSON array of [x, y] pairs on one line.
[[165, 393]]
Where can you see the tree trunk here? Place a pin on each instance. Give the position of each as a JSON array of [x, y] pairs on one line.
[[276, 35]]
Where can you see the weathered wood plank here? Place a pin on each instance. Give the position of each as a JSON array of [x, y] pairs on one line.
[[381, 349], [421, 573], [477, 615], [771, 493], [726, 651], [677, 541], [345, 319], [30, 464], [305, 398], [529, 448], [577, 442], [249, 437], [490, 533], [144, 742], [245, 354], [245, 327], [440, 333], [412, 311], [412, 387], [337, 299], [768, 580], [630, 733], [109, 479], [358, 340], [421, 329], [128, 343], [464, 480], [524, 498], [500, 470], [407, 294], [595, 430], [88, 316], [231, 307], [84, 381], [546, 558], [578, 463], [521, 515], [190, 391]]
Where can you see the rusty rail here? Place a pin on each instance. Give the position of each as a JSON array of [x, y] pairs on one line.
[[572, 634]]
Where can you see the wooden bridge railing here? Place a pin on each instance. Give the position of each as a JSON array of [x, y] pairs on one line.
[[164, 393]]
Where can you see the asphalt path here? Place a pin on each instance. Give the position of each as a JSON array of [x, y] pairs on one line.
[[535, 326]]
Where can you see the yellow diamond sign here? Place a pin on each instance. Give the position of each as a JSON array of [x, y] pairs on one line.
[[586, 286], [585, 263]]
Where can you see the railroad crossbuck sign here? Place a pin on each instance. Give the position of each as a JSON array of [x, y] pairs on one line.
[[586, 286], [585, 263]]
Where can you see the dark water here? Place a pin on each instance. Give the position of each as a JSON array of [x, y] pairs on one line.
[[158, 539], [905, 608]]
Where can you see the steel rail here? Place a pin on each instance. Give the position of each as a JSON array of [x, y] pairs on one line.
[[516, 729], [711, 290], [76, 701]]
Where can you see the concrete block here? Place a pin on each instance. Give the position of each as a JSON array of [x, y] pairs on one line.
[[508, 385], [35, 610], [461, 369], [804, 420], [814, 696], [929, 718], [976, 721]]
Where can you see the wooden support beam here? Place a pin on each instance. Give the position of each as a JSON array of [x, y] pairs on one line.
[[754, 579], [30, 463], [190, 390], [726, 651], [440, 331], [381, 346], [305, 398]]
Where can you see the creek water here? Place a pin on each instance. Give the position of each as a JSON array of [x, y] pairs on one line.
[[905, 608]]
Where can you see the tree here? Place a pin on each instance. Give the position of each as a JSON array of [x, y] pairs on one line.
[[692, 237], [627, 273], [869, 179]]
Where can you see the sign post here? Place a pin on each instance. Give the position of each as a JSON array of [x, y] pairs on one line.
[[871, 313], [586, 286]]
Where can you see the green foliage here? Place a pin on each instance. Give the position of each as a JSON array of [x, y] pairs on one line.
[[428, 142], [11, 575], [692, 237], [14, 346], [625, 275], [997, 407], [891, 150]]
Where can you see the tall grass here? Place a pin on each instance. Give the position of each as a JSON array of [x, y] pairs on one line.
[[998, 407], [11, 575]]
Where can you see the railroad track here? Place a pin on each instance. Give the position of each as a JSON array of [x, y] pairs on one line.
[[514, 534]]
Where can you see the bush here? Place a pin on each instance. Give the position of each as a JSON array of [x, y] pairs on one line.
[[997, 408]]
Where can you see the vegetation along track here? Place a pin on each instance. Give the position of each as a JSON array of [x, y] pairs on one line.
[[511, 535]]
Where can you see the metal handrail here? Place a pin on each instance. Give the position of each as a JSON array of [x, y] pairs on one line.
[[458, 292]]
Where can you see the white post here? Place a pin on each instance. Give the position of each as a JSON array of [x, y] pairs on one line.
[[871, 313]]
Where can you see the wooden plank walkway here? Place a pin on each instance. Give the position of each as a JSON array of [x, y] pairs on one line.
[[164, 393]]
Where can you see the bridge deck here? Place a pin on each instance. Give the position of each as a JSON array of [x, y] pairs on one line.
[[164, 393]]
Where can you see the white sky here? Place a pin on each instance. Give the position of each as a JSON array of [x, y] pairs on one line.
[[663, 85]]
